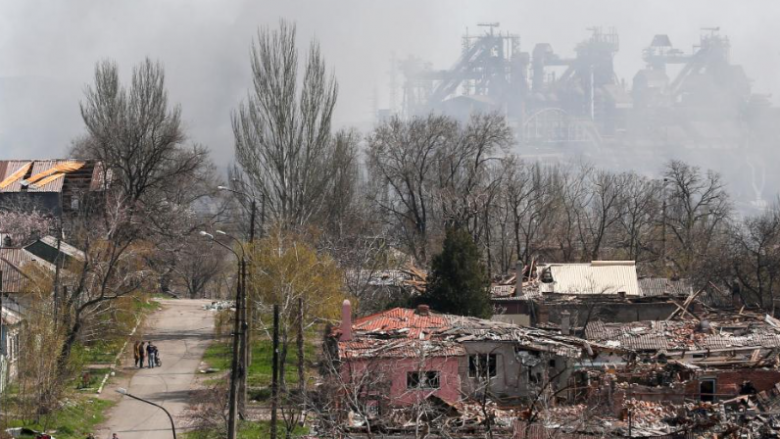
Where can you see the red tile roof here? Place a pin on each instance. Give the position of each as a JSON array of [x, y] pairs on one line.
[[398, 320]]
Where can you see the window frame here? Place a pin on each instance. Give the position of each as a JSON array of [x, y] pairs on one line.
[[479, 361], [432, 380]]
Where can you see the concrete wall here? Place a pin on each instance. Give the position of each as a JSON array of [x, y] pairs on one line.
[[517, 371], [528, 314], [610, 312]]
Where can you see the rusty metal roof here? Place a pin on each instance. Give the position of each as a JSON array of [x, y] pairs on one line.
[[51, 175]]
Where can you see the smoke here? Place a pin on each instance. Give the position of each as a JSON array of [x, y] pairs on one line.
[[50, 48]]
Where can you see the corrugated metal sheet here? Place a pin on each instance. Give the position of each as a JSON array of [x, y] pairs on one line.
[[52, 175], [12, 262], [659, 286], [10, 180], [598, 277]]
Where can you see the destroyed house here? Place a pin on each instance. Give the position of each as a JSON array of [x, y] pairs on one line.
[[51, 186], [401, 357], [720, 355], [600, 290]]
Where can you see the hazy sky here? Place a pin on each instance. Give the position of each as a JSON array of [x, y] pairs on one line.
[[49, 49]]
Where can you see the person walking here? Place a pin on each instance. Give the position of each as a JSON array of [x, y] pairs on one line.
[[135, 353], [150, 354], [141, 355]]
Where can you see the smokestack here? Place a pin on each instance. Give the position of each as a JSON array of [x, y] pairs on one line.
[[565, 322], [346, 321], [519, 280]]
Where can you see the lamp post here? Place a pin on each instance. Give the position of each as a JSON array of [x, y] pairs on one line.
[[249, 309], [124, 392], [237, 371]]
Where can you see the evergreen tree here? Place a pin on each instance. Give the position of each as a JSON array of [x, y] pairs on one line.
[[458, 282]]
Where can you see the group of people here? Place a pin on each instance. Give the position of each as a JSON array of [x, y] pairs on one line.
[[148, 352]]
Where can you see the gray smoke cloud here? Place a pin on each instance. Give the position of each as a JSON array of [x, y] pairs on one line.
[[49, 49]]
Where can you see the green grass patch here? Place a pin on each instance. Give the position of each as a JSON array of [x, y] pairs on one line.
[[98, 352], [219, 355], [248, 430], [74, 420]]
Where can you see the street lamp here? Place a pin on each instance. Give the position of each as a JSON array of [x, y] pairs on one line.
[[239, 335], [123, 391]]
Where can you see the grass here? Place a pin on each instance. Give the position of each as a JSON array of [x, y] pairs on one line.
[[77, 418], [248, 430], [219, 356]]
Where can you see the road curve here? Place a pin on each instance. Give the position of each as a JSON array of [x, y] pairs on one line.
[[181, 331]]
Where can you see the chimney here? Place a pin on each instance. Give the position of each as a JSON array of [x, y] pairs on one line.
[[565, 322], [7, 241], [346, 321], [423, 310], [519, 280]]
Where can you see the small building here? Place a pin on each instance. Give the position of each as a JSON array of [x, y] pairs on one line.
[[719, 352], [10, 324], [402, 357], [53, 187], [599, 290]]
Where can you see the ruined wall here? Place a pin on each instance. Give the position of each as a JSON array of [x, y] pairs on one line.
[[527, 313], [511, 376], [609, 312], [394, 371]]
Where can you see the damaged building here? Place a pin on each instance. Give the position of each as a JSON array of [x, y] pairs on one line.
[[52, 187], [403, 358], [576, 293]]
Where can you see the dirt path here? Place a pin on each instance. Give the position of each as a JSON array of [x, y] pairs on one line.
[[181, 331]]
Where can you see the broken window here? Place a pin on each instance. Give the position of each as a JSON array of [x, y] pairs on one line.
[[428, 379], [707, 390], [482, 365]]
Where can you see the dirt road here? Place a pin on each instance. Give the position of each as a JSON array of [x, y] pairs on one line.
[[181, 331]]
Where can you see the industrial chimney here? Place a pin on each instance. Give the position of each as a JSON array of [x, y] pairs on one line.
[[346, 321]]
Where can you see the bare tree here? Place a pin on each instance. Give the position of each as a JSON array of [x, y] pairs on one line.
[[640, 208], [136, 134], [283, 130], [698, 211], [432, 172], [755, 252], [600, 211]]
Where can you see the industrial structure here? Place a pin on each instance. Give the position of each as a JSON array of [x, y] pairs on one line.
[[679, 104]]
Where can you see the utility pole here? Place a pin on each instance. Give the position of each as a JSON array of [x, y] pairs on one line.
[[235, 375], [248, 317], [2, 349], [275, 373], [301, 371]]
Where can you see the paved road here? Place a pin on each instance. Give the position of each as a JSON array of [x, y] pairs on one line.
[[181, 331]]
